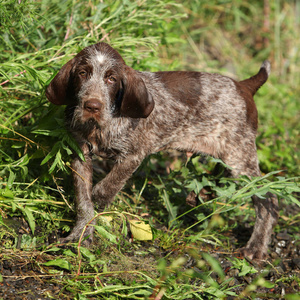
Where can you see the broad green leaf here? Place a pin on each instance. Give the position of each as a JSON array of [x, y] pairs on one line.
[[29, 217], [195, 186], [61, 263], [68, 252], [247, 269], [103, 232], [87, 254]]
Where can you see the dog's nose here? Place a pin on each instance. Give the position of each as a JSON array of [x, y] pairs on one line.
[[92, 106]]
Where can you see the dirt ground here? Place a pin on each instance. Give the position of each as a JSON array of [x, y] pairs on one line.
[[23, 275]]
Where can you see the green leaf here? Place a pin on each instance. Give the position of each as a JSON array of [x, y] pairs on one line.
[[243, 266], [267, 284], [216, 292], [29, 217], [11, 179], [246, 269], [195, 186], [293, 199], [214, 264], [73, 144], [291, 297], [61, 263], [68, 252], [103, 232], [56, 162], [53, 249], [184, 172], [226, 191], [219, 161], [7, 193], [28, 242], [172, 210], [87, 254], [51, 154]]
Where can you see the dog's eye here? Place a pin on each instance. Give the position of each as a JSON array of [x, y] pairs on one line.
[[82, 73], [111, 79]]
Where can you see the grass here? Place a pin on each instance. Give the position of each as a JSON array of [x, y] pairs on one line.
[[37, 38]]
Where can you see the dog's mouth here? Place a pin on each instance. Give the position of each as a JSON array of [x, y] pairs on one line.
[[88, 125], [84, 123], [92, 123]]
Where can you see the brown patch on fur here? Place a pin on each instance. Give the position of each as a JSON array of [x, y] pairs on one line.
[[252, 116], [184, 86]]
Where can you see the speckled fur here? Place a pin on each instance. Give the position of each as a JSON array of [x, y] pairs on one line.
[[118, 113]]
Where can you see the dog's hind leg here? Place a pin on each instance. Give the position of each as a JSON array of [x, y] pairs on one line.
[[243, 161]]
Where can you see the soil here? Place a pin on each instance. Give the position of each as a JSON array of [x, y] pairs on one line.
[[23, 275]]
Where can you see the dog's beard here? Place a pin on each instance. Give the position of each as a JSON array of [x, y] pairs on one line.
[[91, 124]]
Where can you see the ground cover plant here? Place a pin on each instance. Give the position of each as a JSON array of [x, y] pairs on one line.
[[152, 243]]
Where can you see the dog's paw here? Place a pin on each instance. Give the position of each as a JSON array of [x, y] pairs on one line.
[[87, 234], [254, 253]]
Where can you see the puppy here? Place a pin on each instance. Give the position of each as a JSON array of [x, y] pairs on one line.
[[122, 114]]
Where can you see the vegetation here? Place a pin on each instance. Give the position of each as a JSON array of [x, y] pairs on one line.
[[182, 260]]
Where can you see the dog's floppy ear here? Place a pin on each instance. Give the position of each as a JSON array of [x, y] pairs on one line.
[[56, 91], [136, 102]]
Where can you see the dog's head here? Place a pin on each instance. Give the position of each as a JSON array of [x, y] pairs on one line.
[[98, 82]]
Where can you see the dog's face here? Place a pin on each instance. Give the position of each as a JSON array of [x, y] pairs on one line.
[[99, 85]]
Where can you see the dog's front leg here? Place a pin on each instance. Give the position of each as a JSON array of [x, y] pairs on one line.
[[82, 177], [105, 191]]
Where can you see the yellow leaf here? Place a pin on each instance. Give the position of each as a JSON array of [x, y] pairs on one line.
[[140, 230]]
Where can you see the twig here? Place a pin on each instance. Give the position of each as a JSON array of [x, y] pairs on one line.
[[6, 81], [69, 28], [61, 194], [22, 136], [106, 35]]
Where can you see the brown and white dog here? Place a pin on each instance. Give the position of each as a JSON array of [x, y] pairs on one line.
[[118, 113]]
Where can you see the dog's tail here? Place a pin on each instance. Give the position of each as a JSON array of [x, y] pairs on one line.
[[255, 82]]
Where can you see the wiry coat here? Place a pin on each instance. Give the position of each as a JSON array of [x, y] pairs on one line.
[[116, 112]]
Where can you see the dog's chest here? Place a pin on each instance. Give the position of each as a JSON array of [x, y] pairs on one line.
[[107, 146]]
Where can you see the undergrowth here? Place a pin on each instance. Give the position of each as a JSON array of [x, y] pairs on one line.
[[36, 196]]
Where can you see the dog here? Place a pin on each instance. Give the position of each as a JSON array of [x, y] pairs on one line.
[[118, 113]]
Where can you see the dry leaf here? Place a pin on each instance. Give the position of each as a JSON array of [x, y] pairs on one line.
[[140, 230]]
